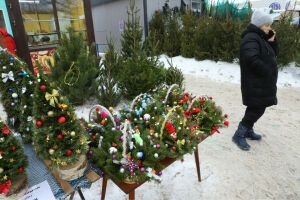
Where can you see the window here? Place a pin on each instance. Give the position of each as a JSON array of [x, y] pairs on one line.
[[196, 5], [2, 20], [39, 24]]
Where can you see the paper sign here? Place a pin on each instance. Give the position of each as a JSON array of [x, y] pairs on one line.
[[40, 191], [121, 24]]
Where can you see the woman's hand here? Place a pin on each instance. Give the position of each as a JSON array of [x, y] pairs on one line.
[[273, 37]]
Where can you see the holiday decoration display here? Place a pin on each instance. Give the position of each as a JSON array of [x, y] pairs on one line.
[[17, 93], [54, 137], [136, 138], [13, 181]]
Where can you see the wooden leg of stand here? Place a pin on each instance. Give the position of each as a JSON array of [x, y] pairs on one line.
[[104, 183], [197, 164], [131, 195]]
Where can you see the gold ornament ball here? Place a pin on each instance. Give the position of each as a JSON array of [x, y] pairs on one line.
[[51, 151], [110, 109], [50, 113], [1, 170], [73, 133]]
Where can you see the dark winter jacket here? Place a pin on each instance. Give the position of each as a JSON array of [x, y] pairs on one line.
[[259, 70], [7, 41]]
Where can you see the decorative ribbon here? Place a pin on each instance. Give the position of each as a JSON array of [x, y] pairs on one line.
[[8, 76], [4, 187], [180, 142], [5, 130], [215, 129], [52, 97]]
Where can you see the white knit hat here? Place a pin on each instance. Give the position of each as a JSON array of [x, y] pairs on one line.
[[260, 18]]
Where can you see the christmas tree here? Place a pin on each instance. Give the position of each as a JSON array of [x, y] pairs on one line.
[[172, 44], [188, 30], [157, 33], [10, 86], [13, 161], [17, 91], [58, 135], [132, 35], [139, 73], [75, 68], [108, 90]]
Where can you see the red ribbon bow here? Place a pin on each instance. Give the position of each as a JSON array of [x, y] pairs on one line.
[[215, 129], [4, 187], [5, 130]]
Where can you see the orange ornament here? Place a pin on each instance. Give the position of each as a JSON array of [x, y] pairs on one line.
[[42, 118], [154, 171], [103, 122], [55, 147], [63, 132]]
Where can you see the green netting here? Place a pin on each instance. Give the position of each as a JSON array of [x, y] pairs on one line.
[[224, 8]]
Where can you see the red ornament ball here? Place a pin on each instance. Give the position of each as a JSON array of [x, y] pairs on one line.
[[39, 124], [21, 169], [198, 110], [198, 138], [226, 115], [60, 137], [95, 119], [94, 137], [69, 152], [61, 120], [226, 123], [186, 99], [43, 87], [210, 98], [174, 148], [153, 140], [97, 109], [13, 148]]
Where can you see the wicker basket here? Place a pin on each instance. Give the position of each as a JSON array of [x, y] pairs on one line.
[[75, 171], [17, 190]]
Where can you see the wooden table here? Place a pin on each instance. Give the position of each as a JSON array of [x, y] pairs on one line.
[[130, 188]]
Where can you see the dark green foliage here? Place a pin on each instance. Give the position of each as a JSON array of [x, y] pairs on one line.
[[108, 89], [172, 44], [187, 35], [13, 161], [75, 68], [204, 38], [288, 40], [140, 75], [157, 33]]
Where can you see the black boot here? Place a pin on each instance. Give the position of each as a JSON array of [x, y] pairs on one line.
[[240, 139], [251, 135]]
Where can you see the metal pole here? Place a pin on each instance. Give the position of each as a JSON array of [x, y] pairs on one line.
[[145, 18]]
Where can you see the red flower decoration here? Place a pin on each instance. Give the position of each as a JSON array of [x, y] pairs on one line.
[[5, 130], [4, 187], [198, 110]]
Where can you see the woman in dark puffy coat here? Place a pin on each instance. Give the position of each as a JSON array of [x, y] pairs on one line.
[[259, 72]]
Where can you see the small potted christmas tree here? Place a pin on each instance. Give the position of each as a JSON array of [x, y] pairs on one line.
[[13, 181], [58, 135]]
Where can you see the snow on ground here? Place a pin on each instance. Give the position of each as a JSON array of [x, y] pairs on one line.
[[229, 72]]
